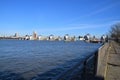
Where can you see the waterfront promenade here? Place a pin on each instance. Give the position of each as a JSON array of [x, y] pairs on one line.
[[113, 63]]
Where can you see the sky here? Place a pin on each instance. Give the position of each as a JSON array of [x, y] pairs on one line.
[[58, 17]]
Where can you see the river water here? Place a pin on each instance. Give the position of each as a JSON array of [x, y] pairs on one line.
[[28, 59]]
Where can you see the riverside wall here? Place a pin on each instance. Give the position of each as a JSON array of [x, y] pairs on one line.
[[102, 58]]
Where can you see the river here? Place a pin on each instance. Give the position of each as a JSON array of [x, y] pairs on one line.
[[28, 59]]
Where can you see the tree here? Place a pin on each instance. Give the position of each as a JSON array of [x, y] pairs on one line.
[[115, 32]]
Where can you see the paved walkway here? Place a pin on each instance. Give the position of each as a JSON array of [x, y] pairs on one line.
[[113, 63]]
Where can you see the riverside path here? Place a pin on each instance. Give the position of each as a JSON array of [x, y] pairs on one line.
[[113, 63]]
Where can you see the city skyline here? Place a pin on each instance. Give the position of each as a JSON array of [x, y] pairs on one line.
[[74, 17]]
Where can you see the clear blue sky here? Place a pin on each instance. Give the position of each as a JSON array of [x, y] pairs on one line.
[[58, 17]]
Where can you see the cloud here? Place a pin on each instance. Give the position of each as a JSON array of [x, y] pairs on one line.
[[102, 9], [117, 21], [83, 26], [95, 12], [78, 27]]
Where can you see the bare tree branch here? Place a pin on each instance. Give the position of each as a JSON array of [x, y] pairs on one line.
[[115, 32]]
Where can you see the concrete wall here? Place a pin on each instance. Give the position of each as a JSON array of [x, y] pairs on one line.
[[102, 60]]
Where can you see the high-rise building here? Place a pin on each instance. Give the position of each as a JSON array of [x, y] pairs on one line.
[[16, 35], [34, 35]]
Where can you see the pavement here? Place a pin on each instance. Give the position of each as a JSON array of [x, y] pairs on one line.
[[113, 62]]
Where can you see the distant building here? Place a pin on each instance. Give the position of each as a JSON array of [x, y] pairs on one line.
[[94, 38], [81, 38], [66, 37], [103, 38], [16, 35], [34, 36], [51, 37], [40, 37], [31, 37], [59, 38], [73, 38], [27, 37], [87, 37]]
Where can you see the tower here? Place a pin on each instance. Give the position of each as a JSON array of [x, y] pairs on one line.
[[16, 35], [34, 35]]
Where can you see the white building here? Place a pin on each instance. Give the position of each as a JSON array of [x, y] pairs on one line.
[[40, 37], [66, 37], [51, 37], [87, 37], [27, 37], [103, 38], [31, 37]]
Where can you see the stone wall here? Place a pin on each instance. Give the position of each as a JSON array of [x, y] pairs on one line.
[[102, 58]]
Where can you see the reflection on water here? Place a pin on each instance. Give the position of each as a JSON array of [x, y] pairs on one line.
[[29, 58]]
